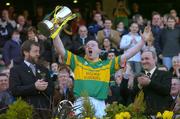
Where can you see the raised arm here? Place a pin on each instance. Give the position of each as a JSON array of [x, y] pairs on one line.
[[59, 46]]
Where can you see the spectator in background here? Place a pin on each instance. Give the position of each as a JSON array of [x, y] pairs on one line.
[[45, 45], [6, 97], [164, 20], [96, 25], [175, 70], [111, 54], [39, 15], [135, 9], [98, 9], [12, 50], [119, 90], [64, 89], [121, 29], [77, 22], [12, 13], [107, 49], [175, 87], [108, 32], [22, 27], [6, 27], [121, 13], [130, 40], [156, 30], [5, 70], [175, 92], [170, 42], [80, 40], [54, 71], [140, 21], [174, 14], [27, 17]]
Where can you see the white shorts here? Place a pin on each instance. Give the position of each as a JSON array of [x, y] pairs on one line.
[[99, 106]]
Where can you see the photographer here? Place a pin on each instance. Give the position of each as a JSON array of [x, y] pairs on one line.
[[156, 84]]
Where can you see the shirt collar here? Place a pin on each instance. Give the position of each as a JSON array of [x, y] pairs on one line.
[[151, 71], [27, 63]]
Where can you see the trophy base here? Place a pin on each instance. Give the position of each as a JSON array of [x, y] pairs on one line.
[[44, 29]]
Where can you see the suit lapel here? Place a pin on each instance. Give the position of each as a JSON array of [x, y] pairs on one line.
[[154, 75], [27, 69]]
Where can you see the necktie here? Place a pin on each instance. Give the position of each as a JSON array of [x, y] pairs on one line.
[[149, 74], [33, 68], [83, 41]]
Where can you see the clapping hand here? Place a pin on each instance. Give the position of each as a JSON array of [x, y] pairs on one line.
[[41, 85], [143, 80]]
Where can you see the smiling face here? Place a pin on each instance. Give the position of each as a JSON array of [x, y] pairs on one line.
[[92, 50], [148, 61]]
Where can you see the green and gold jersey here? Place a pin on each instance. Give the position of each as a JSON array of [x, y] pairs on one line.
[[91, 77]]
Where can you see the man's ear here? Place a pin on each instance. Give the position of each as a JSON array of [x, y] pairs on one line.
[[25, 53]]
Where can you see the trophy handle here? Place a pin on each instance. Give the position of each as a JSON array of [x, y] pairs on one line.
[[63, 23]]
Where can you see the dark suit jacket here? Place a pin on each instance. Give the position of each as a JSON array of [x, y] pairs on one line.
[[22, 84], [120, 94], [157, 93]]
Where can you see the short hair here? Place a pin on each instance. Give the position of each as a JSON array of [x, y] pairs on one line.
[[134, 22], [152, 51], [171, 17], [64, 67], [155, 13], [15, 32], [26, 46], [136, 17], [107, 19], [3, 74], [32, 29]]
